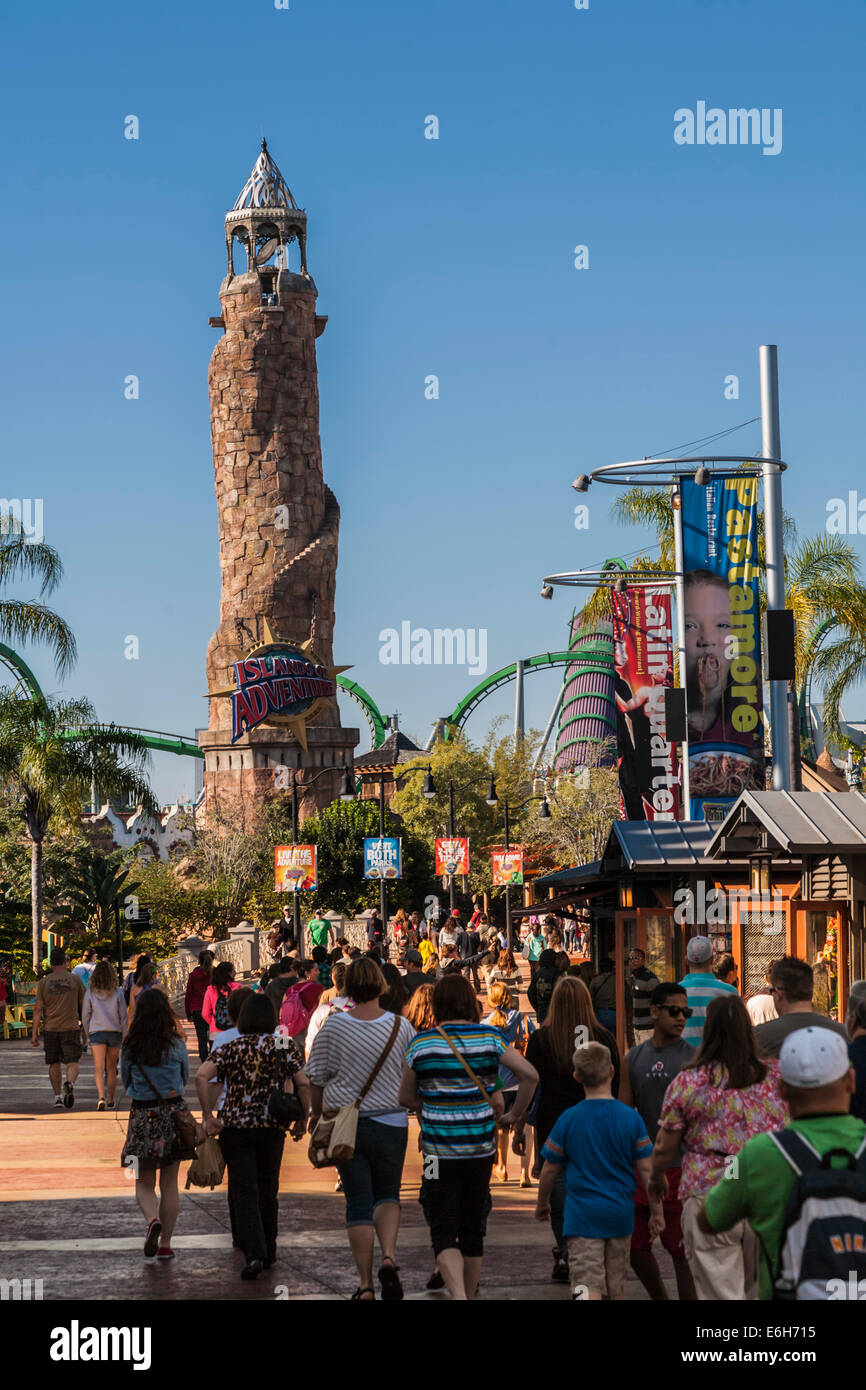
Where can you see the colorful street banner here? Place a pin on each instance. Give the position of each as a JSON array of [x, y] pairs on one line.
[[294, 868], [723, 643], [643, 661], [383, 858], [507, 867], [452, 856]]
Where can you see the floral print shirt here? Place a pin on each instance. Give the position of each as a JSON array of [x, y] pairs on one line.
[[251, 1067], [716, 1122]]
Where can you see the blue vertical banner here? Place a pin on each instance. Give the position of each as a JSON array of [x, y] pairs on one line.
[[383, 858], [723, 643]]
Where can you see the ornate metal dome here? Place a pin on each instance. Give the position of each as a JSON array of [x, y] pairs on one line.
[[265, 187]]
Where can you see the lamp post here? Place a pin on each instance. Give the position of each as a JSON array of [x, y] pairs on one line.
[[347, 793], [543, 814], [428, 790], [452, 830]]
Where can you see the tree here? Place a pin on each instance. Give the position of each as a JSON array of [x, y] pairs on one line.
[[580, 819], [50, 753], [227, 859], [339, 832], [22, 620], [98, 883]]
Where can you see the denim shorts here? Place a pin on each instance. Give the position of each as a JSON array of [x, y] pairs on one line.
[[106, 1039], [374, 1174]]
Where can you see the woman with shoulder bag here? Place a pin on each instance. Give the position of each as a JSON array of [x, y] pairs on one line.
[[266, 1094], [154, 1066], [451, 1076], [357, 1059]]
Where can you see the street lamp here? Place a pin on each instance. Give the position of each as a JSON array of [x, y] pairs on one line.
[[347, 793], [428, 790], [452, 830], [543, 814]]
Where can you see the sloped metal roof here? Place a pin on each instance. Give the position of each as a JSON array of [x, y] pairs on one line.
[[801, 822], [662, 844]]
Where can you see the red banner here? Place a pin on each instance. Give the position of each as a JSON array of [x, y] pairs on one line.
[[294, 868], [643, 658], [452, 856], [507, 867]]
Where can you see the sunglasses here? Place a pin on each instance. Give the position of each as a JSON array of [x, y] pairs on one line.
[[675, 1010]]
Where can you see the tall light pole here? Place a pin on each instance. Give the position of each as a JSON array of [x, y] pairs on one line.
[[771, 452], [347, 793], [428, 791], [543, 814], [677, 511]]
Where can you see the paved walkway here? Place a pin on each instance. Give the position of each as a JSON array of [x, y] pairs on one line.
[[68, 1215]]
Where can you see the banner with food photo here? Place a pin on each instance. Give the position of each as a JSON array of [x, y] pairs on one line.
[[647, 762], [507, 867], [452, 856], [294, 868], [723, 643]]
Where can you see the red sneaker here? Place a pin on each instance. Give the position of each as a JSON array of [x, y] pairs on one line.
[[165, 1252]]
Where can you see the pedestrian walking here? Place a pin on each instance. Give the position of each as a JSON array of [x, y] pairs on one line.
[[550, 1049], [542, 984], [762, 1004], [515, 1029], [649, 1069], [154, 1067], [251, 1132], [57, 1007], [597, 1145], [811, 1235], [701, 986], [85, 967], [358, 1056], [642, 983], [792, 981], [711, 1109], [451, 1077], [603, 991], [197, 986], [104, 1021], [214, 1009], [533, 947]]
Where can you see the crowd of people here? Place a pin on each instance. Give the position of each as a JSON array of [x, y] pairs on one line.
[[694, 1136]]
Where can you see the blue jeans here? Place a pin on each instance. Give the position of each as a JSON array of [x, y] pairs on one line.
[[374, 1173], [607, 1019]]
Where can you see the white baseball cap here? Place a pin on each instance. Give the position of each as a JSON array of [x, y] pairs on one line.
[[699, 949], [812, 1057]]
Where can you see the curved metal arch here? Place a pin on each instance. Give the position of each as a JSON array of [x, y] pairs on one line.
[[372, 713], [499, 678], [16, 663]]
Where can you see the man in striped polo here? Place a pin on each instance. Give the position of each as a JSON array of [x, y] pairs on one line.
[[701, 987]]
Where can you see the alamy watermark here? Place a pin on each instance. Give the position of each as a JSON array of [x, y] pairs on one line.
[[736, 126], [21, 1290], [845, 517], [22, 516], [715, 906], [441, 646]]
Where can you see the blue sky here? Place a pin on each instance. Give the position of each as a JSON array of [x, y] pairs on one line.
[[451, 257]]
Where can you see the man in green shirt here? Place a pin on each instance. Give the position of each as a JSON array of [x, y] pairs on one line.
[[319, 931], [817, 1081]]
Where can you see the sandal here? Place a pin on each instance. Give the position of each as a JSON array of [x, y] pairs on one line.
[[392, 1289], [358, 1295]]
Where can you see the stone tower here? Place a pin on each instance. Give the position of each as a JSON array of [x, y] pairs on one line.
[[278, 522]]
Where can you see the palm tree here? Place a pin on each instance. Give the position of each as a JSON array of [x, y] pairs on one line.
[[822, 583], [50, 753], [98, 882], [22, 620]]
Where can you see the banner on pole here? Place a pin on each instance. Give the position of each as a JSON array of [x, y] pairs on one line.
[[294, 868], [452, 856], [643, 660], [723, 643], [507, 867], [383, 858]]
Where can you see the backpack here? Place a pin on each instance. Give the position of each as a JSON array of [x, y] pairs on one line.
[[823, 1245], [294, 1016], [221, 1012]]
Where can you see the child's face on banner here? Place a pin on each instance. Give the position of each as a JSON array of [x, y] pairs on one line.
[[708, 624]]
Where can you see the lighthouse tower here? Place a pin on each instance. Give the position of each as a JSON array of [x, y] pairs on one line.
[[278, 521]]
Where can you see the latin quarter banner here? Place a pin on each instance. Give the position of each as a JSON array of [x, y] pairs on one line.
[[643, 662], [723, 643]]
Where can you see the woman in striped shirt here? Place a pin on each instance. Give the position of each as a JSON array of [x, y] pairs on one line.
[[451, 1077]]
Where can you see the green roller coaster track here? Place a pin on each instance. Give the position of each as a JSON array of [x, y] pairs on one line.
[[496, 680], [179, 744]]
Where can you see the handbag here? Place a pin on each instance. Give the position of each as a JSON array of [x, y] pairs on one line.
[[284, 1108], [208, 1166], [494, 1098], [190, 1132], [333, 1139]]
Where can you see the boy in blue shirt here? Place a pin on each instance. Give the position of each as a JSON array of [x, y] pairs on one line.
[[600, 1141]]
